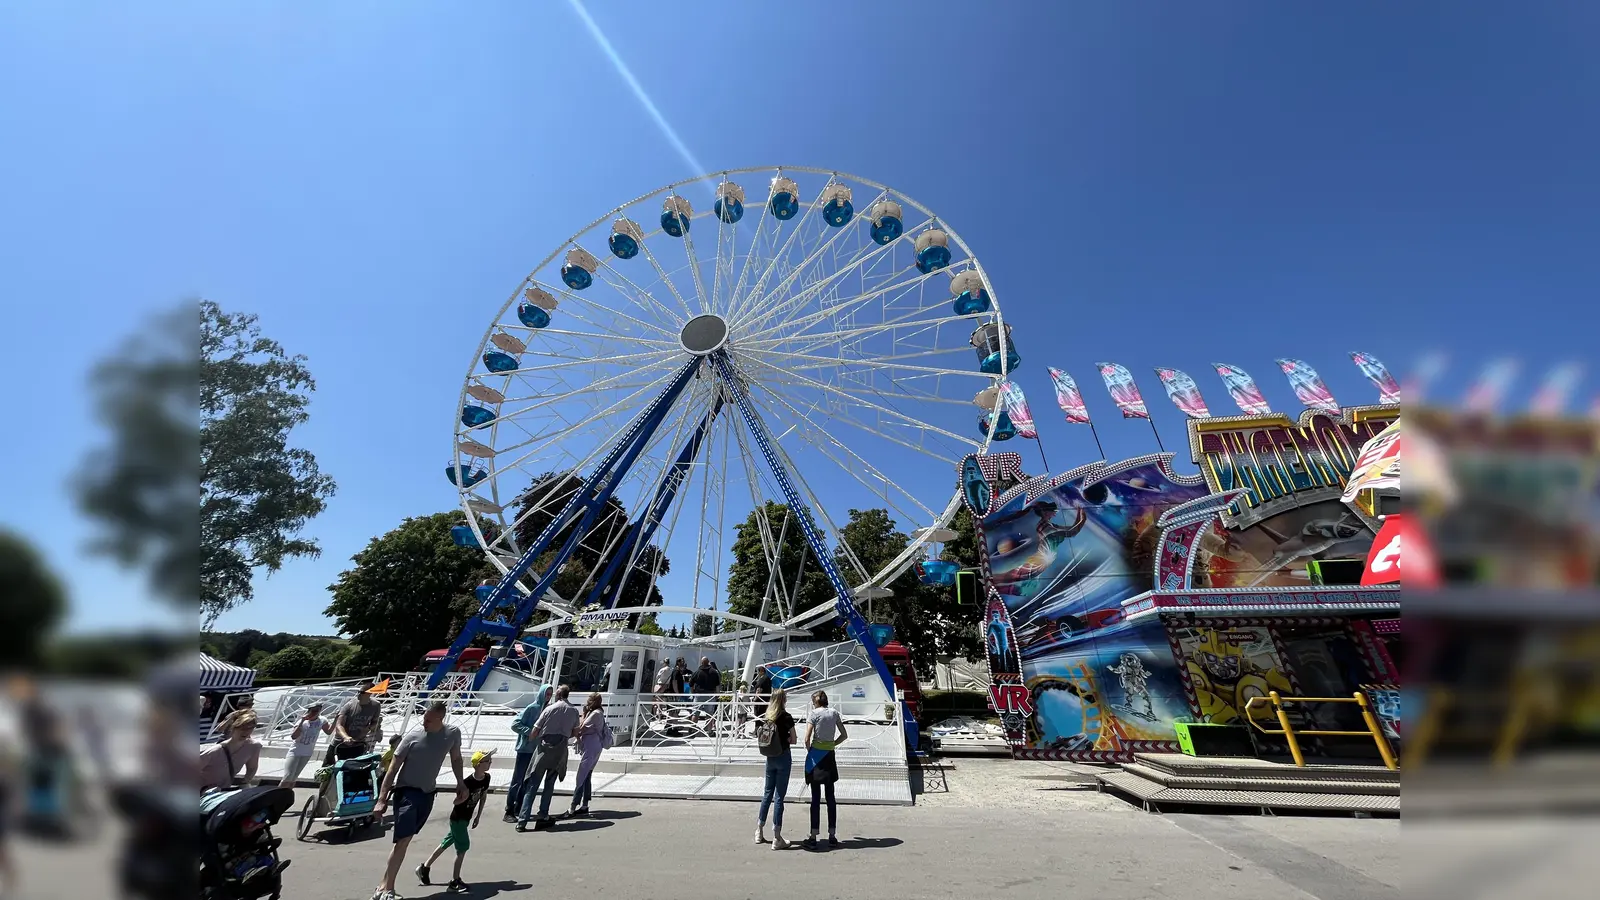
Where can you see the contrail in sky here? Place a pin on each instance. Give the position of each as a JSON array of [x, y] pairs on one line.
[[638, 89]]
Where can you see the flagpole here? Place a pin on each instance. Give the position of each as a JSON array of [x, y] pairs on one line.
[[1096, 434], [1040, 442], [1156, 433]]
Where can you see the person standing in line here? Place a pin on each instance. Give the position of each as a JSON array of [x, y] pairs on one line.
[[594, 735], [663, 683], [306, 731], [680, 677], [774, 737], [359, 722], [220, 763], [523, 726], [471, 811], [554, 728], [761, 686], [413, 780], [705, 681], [824, 732]]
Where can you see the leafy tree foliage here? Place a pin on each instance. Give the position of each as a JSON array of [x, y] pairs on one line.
[[751, 571], [409, 592], [927, 618], [703, 626], [140, 490], [290, 662], [32, 602]]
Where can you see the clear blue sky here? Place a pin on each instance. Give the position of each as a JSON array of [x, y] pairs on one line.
[[1152, 184]]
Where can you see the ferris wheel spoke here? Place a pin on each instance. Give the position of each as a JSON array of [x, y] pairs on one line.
[[608, 314], [639, 292], [820, 438], [783, 251], [886, 294], [661, 274], [799, 271], [736, 292], [694, 272], [858, 335], [593, 389], [597, 419]]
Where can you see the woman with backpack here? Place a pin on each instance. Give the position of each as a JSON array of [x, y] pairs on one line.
[[593, 735], [824, 731], [774, 736]]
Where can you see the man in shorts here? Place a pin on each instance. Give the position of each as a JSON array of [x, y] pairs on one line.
[[413, 779]]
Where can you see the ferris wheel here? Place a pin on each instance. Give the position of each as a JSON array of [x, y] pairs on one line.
[[753, 337]]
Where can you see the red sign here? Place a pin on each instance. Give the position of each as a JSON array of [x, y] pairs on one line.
[[1010, 698], [1383, 561]]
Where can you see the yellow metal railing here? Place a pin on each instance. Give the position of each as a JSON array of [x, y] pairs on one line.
[[1291, 734]]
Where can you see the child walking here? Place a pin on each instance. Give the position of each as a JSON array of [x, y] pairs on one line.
[[468, 810]]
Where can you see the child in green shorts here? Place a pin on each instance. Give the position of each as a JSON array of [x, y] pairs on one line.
[[470, 810]]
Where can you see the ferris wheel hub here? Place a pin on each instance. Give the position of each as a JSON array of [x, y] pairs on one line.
[[704, 334]]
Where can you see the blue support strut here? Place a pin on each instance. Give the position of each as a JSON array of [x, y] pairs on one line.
[[585, 503], [844, 601], [644, 528]]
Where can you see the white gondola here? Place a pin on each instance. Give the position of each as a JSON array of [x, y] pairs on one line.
[[485, 393], [888, 221], [972, 297], [933, 250], [509, 343], [729, 205], [675, 215]]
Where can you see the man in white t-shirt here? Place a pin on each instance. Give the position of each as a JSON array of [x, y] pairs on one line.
[[306, 732]]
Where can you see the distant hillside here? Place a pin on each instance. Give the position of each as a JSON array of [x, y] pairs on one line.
[[255, 649]]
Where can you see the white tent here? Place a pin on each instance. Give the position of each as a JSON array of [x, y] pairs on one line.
[[216, 675]]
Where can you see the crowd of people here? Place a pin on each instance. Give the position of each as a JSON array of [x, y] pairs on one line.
[[548, 730]]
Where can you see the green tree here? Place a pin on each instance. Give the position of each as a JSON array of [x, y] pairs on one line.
[[257, 659], [649, 625], [703, 626], [409, 592], [359, 663], [751, 571], [290, 662], [256, 492], [329, 656], [32, 602]]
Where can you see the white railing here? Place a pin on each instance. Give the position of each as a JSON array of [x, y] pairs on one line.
[[834, 662], [721, 728]]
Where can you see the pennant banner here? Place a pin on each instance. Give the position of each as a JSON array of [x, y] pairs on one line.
[[1124, 393], [1017, 408], [1557, 389], [1183, 393], [1486, 395], [1378, 374], [1068, 397], [1308, 385], [1243, 389]]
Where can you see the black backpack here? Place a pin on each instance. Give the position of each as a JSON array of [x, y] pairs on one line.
[[770, 742]]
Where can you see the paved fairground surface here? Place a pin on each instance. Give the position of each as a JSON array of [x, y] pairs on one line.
[[1002, 829]]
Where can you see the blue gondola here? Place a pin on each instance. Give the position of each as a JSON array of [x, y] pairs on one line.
[[730, 212], [623, 246], [462, 536], [938, 571], [472, 476], [1004, 430], [990, 365], [576, 277], [674, 224], [887, 224], [532, 316], [474, 416], [932, 258], [784, 205], [499, 362], [987, 340], [837, 212], [967, 303]]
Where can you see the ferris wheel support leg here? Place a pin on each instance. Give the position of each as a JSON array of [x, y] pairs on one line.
[[584, 504], [644, 528], [855, 624]]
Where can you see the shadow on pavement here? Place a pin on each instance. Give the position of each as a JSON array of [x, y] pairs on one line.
[[484, 889], [616, 815], [566, 825], [859, 843]]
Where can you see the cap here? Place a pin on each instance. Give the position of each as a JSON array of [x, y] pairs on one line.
[[478, 756]]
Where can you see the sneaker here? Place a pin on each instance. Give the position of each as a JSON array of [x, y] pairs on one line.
[[522, 827], [761, 836], [456, 884], [810, 841], [778, 843], [422, 873], [542, 824], [509, 818], [833, 841]]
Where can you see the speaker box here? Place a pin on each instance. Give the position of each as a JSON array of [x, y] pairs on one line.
[[1197, 739]]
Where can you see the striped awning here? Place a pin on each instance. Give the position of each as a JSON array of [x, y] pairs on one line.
[[216, 675]]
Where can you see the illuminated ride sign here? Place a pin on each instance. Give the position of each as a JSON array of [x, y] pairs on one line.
[[1279, 463]]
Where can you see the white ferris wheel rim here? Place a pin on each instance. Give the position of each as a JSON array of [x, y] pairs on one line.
[[914, 548]]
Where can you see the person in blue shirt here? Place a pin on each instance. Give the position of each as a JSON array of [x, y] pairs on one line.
[[523, 725]]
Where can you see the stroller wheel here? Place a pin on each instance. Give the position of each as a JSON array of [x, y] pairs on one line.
[[307, 818]]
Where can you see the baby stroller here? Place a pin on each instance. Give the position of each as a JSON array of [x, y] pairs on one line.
[[347, 794], [238, 854]]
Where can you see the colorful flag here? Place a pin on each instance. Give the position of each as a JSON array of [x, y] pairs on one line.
[[1242, 388], [1378, 373], [1124, 393], [1017, 408], [1183, 393], [1068, 397], [1308, 385], [1486, 395], [1552, 396]]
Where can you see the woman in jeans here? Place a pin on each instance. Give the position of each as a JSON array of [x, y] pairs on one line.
[[824, 731], [779, 764]]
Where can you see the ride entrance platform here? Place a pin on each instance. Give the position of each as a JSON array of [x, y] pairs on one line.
[[1171, 781]]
